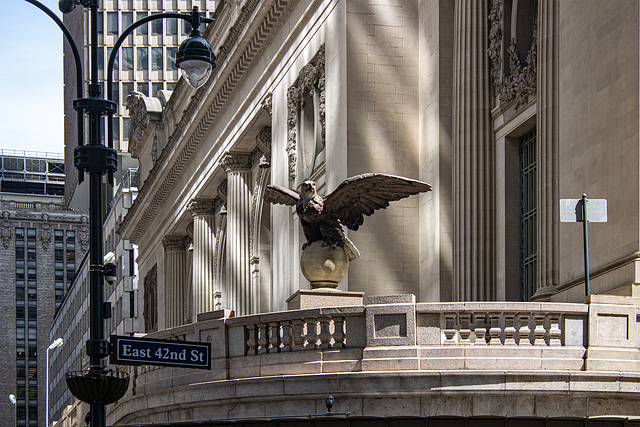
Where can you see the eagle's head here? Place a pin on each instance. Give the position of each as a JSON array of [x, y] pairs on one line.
[[308, 188]]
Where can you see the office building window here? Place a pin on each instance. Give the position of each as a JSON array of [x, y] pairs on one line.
[[143, 88], [126, 125], [127, 58], [112, 22], [172, 27], [155, 87], [156, 58], [127, 20], [156, 27], [143, 59], [127, 88], [115, 62], [100, 24], [171, 58], [144, 28], [528, 208]]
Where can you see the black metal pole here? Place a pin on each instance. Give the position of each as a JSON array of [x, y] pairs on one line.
[[586, 244]]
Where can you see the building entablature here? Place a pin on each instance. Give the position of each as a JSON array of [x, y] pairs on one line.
[[415, 352]]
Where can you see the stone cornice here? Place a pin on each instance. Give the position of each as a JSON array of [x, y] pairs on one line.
[[153, 194]]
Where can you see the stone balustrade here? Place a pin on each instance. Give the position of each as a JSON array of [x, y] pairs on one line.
[[433, 350]]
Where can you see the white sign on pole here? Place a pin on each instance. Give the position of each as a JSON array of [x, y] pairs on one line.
[[571, 210]]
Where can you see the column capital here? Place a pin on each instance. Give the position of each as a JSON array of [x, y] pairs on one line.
[[173, 243], [201, 207], [232, 162]]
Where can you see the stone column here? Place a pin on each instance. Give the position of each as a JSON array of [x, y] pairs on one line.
[[473, 157], [240, 295], [175, 274], [203, 258], [548, 215]]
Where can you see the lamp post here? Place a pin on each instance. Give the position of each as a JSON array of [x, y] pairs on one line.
[[13, 400], [56, 343], [98, 386]]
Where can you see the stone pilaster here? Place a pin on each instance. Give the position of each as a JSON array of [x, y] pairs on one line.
[[203, 256], [547, 121], [175, 274], [239, 289], [473, 156]]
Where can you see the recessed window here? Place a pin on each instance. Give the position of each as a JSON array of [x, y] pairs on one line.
[[156, 58], [143, 59], [112, 23], [144, 28], [127, 59]]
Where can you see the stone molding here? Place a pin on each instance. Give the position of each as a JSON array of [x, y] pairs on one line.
[[199, 208], [517, 87], [252, 47], [173, 243], [311, 78]]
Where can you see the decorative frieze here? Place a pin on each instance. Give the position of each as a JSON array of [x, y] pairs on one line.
[[516, 86]]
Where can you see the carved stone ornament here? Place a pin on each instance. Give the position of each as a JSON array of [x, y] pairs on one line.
[[201, 207], [236, 162], [139, 120], [263, 141], [83, 235], [173, 243], [7, 231], [267, 103], [311, 78], [45, 232], [521, 83], [222, 190]]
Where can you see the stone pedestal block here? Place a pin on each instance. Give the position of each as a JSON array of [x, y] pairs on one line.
[[319, 298]]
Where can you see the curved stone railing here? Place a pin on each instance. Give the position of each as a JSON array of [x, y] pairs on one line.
[[396, 334]]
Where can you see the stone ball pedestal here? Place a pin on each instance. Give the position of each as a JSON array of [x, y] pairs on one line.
[[323, 266]]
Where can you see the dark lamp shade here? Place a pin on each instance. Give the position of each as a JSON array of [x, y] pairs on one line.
[[196, 60]]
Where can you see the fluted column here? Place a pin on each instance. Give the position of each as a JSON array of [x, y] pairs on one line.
[[241, 296], [547, 215], [203, 256], [175, 274], [473, 156]]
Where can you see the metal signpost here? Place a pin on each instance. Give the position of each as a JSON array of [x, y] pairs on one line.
[[584, 210], [146, 351]]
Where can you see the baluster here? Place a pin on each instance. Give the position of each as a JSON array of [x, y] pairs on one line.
[[539, 331], [339, 334], [509, 329], [480, 330], [449, 328], [298, 337], [287, 338], [494, 329], [555, 333], [524, 330], [325, 335], [274, 338], [263, 340], [312, 334], [465, 330], [252, 343]]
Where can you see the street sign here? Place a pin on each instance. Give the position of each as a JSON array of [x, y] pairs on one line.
[[146, 351], [571, 210]]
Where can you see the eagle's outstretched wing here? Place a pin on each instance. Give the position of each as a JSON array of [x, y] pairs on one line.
[[281, 195], [363, 194]]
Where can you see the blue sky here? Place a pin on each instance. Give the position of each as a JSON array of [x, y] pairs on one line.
[[31, 111]]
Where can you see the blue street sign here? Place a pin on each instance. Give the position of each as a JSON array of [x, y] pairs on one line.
[[146, 351]]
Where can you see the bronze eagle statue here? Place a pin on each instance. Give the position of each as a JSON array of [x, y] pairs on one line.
[[322, 217]]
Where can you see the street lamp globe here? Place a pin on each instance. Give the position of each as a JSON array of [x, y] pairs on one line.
[[195, 59]]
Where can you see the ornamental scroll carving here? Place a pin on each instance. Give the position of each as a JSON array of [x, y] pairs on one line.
[[139, 120], [516, 87], [310, 79]]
